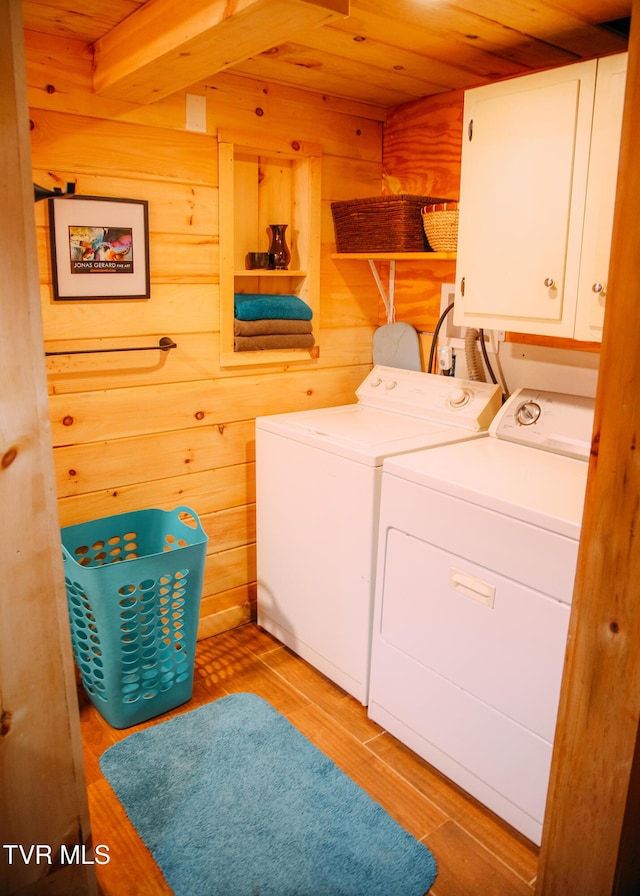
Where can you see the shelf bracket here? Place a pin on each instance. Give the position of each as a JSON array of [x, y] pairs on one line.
[[387, 295]]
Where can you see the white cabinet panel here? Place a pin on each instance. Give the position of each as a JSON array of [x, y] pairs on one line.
[[601, 194], [530, 168]]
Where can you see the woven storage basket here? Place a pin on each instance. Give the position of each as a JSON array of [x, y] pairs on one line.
[[381, 223], [440, 222]]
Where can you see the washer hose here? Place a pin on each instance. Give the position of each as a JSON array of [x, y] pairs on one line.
[[474, 367]]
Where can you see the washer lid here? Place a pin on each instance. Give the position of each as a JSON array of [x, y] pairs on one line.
[[537, 487], [362, 433]]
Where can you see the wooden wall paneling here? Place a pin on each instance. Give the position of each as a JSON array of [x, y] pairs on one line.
[[160, 48], [248, 236], [119, 413], [233, 89], [229, 610], [305, 240], [565, 23], [83, 468], [63, 141], [355, 134], [347, 346], [181, 307], [193, 359], [350, 295], [205, 492], [42, 784], [361, 64], [367, 60], [173, 258], [223, 603], [591, 831], [59, 73], [423, 146], [229, 569], [189, 310], [421, 155], [276, 192], [44, 17], [477, 35], [347, 179], [174, 308], [196, 358], [231, 527], [184, 208], [417, 291], [319, 79]]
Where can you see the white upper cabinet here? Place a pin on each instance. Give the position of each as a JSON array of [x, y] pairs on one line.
[[539, 166], [601, 195]]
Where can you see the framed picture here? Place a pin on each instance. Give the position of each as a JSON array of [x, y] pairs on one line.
[[99, 248]]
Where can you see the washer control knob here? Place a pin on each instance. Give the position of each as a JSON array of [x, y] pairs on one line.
[[528, 413], [459, 397], [391, 384], [375, 383]]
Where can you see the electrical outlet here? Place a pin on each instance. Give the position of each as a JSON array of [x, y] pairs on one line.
[[445, 358], [196, 113]]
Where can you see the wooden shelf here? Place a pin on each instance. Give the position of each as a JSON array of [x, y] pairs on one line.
[[259, 184], [396, 256]]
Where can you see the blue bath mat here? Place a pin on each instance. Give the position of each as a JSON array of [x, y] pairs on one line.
[[232, 800]]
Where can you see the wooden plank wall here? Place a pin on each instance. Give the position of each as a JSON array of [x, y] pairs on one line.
[[422, 146], [42, 783], [132, 431]]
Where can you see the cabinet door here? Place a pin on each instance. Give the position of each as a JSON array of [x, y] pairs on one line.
[[601, 194], [523, 183]]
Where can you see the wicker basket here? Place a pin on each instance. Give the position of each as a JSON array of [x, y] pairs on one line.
[[381, 224], [440, 222]]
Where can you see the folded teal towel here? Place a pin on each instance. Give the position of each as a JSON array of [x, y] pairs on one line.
[[257, 306]]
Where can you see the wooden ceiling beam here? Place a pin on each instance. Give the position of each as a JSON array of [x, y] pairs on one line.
[[165, 46]]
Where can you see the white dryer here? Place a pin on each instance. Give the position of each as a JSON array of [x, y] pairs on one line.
[[318, 476], [476, 565]]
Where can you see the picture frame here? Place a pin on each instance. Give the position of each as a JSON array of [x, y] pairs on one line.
[[99, 248]]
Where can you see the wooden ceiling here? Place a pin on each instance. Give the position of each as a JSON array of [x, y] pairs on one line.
[[382, 52]]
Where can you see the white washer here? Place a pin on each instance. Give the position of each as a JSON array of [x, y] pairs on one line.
[[318, 476], [476, 565]]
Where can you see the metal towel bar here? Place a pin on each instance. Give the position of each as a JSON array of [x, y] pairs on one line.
[[165, 345]]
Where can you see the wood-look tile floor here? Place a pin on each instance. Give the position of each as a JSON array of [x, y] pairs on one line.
[[476, 853]]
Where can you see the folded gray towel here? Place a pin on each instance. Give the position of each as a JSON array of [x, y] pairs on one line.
[[271, 327], [281, 340]]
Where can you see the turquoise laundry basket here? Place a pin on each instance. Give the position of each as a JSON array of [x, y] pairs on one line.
[[134, 585]]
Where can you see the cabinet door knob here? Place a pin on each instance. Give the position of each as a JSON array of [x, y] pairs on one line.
[[549, 282], [598, 287]]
